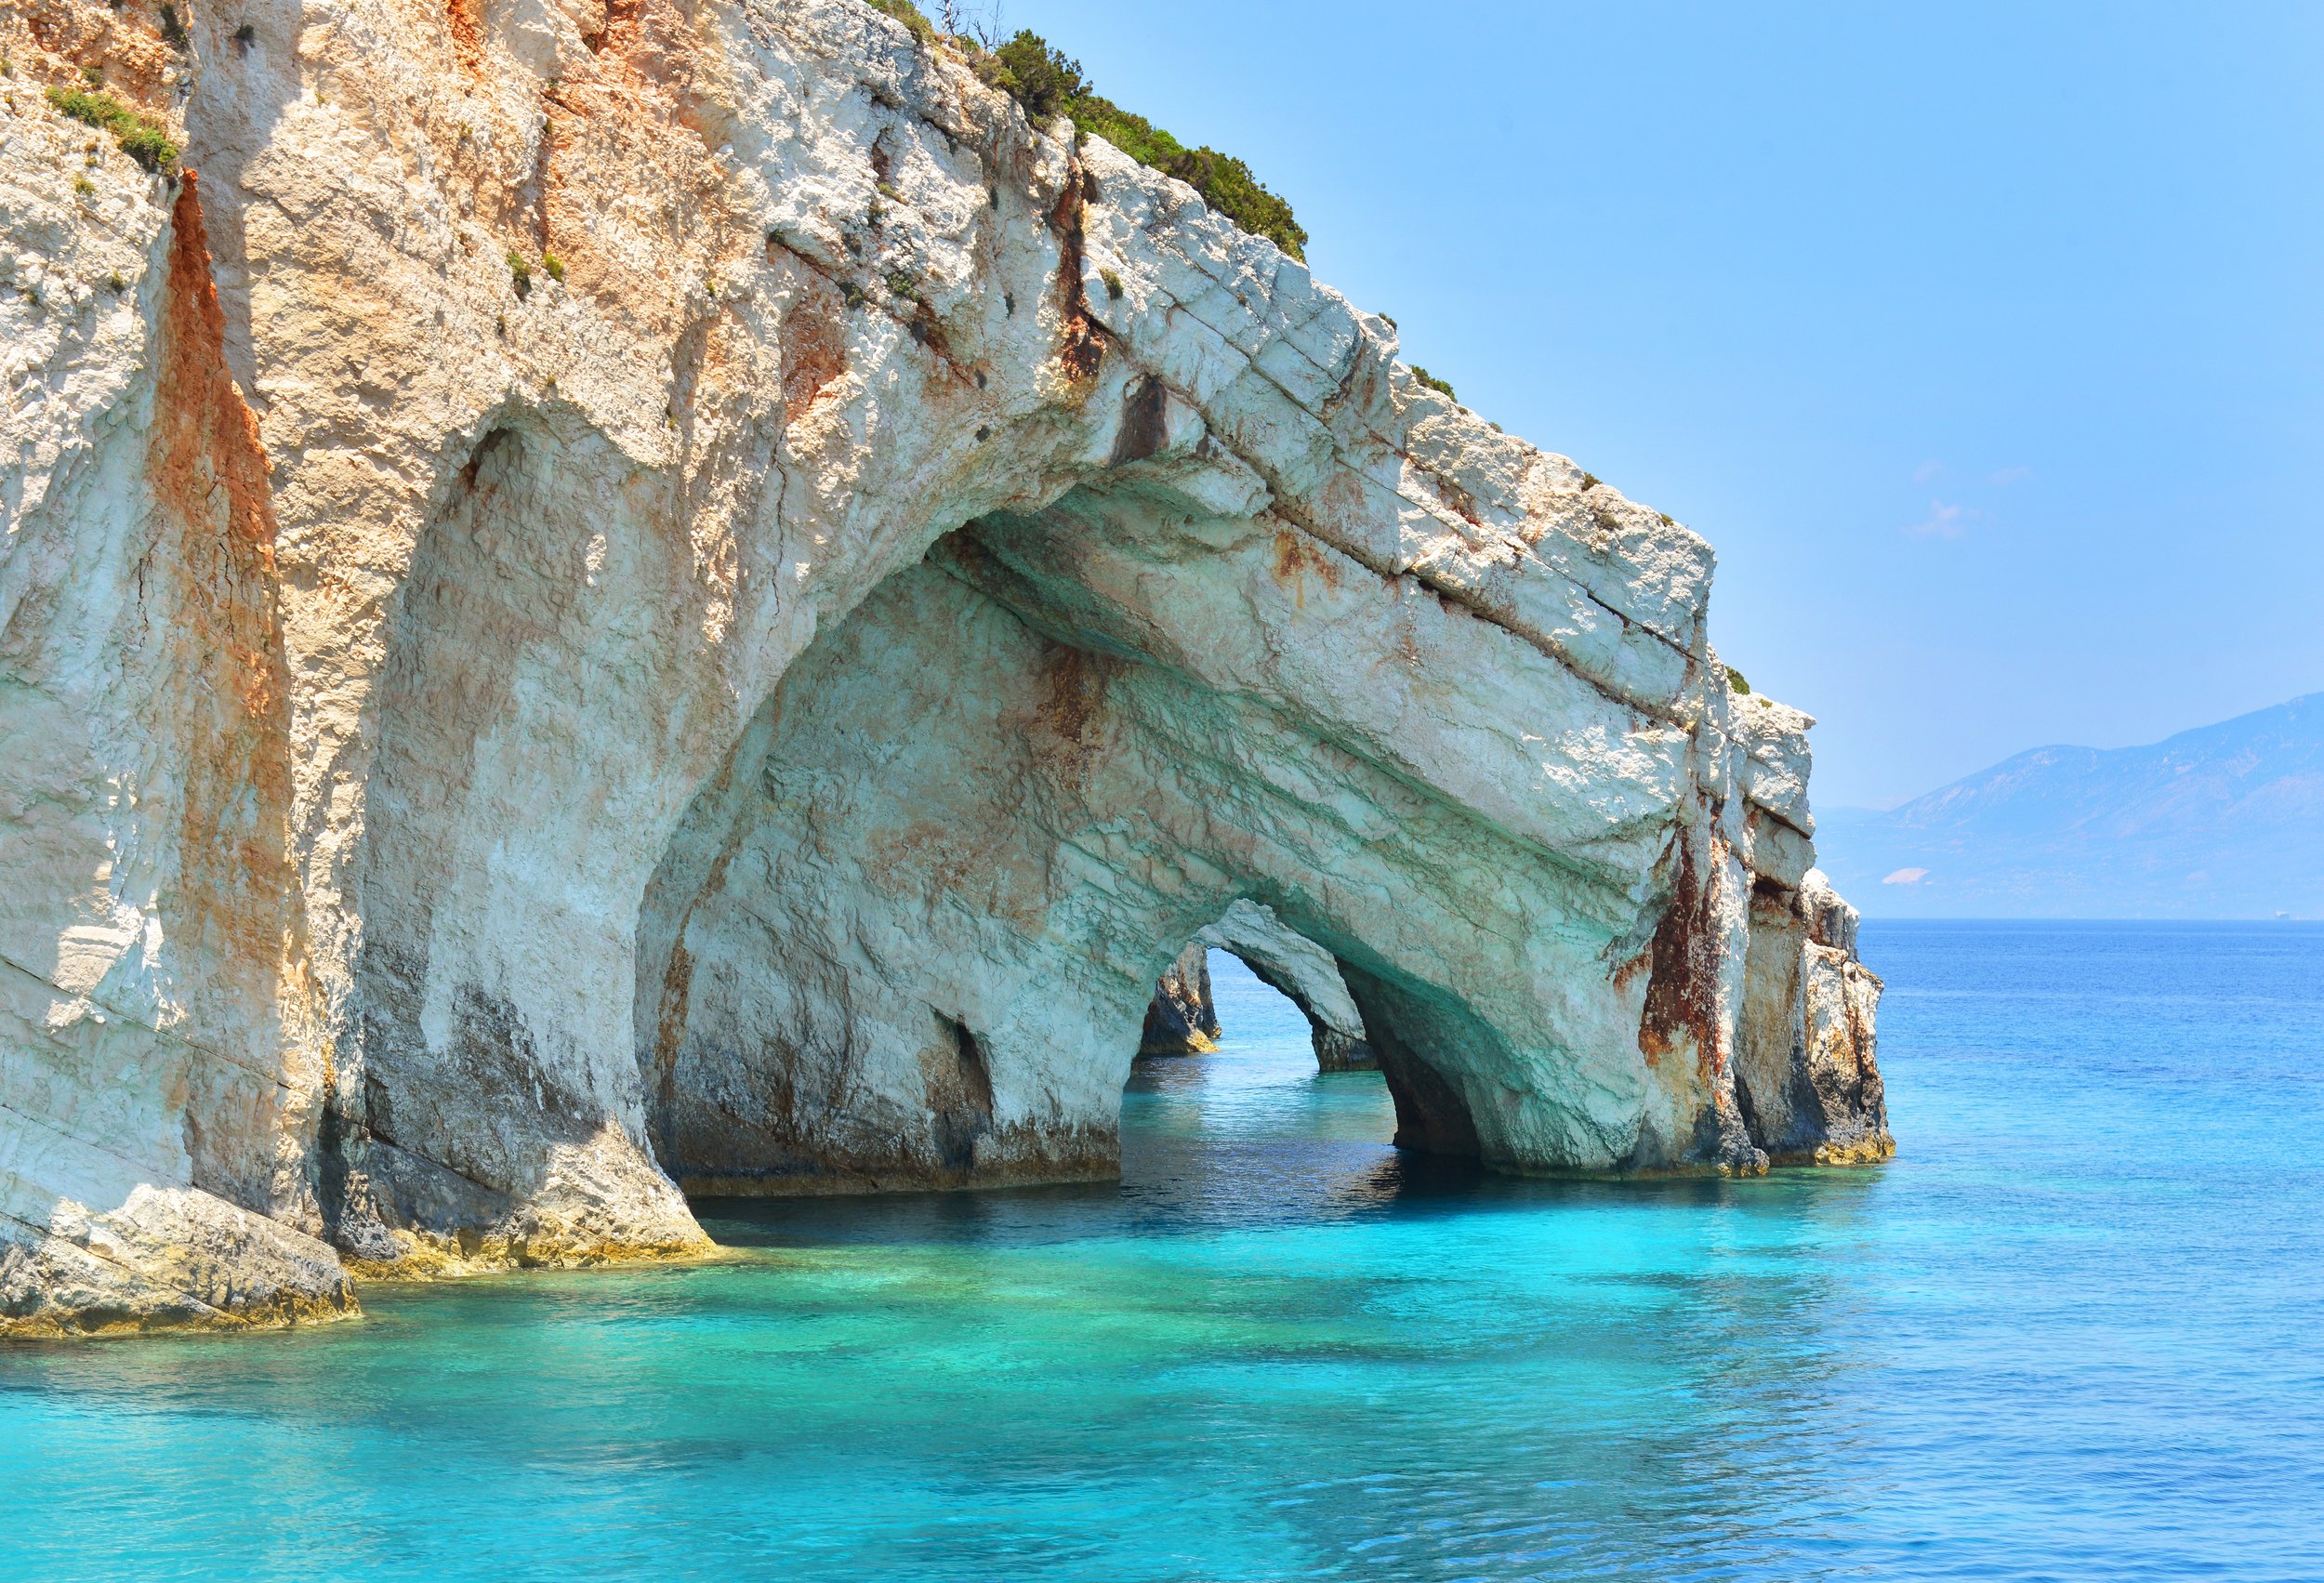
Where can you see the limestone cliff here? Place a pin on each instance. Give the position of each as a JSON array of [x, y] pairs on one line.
[[637, 593]]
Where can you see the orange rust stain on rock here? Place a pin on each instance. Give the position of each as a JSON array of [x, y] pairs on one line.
[[125, 39], [1627, 974], [596, 38], [814, 347], [1295, 557], [1682, 996], [1068, 732], [1079, 350], [637, 116], [468, 32], [215, 533], [1073, 691]]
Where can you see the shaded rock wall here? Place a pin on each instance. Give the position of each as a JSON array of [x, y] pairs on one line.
[[1183, 1019], [443, 793]]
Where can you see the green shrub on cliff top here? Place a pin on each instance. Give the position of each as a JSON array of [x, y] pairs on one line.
[[909, 15], [142, 138], [1048, 85], [1442, 386], [148, 144]]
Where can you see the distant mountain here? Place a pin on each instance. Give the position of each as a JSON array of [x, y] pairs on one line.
[[2225, 821]]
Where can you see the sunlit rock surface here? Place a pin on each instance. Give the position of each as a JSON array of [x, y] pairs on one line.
[[759, 704]]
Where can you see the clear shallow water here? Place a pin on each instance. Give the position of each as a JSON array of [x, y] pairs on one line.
[[2075, 1331]]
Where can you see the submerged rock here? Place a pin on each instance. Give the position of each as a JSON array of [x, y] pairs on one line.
[[619, 599]]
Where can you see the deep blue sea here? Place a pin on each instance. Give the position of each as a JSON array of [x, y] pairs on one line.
[[2075, 1330]]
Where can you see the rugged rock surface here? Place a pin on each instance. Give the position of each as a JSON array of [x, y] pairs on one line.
[[1183, 1019], [757, 705]]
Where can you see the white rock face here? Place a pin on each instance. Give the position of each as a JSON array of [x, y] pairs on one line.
[[757, 705]]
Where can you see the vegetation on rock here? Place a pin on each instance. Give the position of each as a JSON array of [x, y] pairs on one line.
[[144, 139], [1039, 78], [1442, 386], [909, 15]]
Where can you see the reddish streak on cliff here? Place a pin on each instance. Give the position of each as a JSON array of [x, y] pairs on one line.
[[1069, 722], [1295, 557], [814, 345], [218, 597], [468, 37], [1079, 349], [1682, 996], [125, 41]]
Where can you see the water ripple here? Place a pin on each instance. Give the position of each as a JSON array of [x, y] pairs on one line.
[[2069, 1334]]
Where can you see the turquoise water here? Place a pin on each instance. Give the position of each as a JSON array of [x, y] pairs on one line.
[[2075, 1331]]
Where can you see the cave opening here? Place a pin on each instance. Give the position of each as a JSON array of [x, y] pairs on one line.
[[1183, 1017], [899, 928], [1242, 1113], [683, 878], [911, 937]]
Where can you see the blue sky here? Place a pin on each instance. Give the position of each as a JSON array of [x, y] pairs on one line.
[[1984, 342]]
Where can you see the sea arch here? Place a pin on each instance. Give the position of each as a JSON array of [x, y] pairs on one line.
[[909, 936], [1285, 961], [386, 956]]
